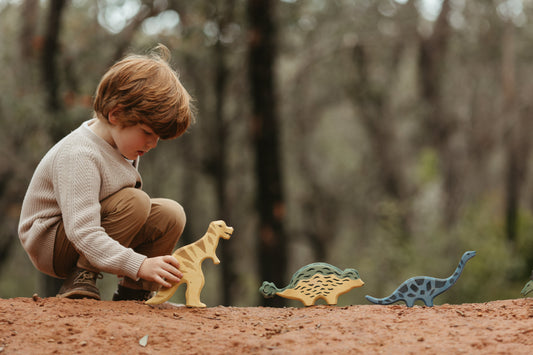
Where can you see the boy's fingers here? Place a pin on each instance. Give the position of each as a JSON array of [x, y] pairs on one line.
[[169, 259], [171, 279], [173, 271], [165, 283], [177, 274], [174, 262]]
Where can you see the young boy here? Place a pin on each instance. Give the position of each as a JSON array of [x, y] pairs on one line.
[[84, 211]]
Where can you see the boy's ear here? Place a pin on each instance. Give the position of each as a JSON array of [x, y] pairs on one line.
[[113, 116]]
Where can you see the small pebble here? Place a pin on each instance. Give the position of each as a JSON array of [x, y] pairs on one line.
[[144, 341]]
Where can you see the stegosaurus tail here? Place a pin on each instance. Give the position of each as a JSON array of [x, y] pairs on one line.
[[268, 289], [528, 288]]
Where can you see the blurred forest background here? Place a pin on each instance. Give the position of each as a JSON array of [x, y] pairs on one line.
[[389, 136]]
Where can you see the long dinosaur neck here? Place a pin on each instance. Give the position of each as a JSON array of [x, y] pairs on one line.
[[453, 278]]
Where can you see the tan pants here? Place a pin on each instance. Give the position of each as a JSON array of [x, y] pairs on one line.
[[151, 227]]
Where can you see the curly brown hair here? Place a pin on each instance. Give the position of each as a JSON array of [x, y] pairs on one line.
[[145, 89]]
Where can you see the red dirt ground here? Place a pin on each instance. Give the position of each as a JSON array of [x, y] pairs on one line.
[[61, 326]]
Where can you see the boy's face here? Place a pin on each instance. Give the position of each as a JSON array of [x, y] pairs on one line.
[[134, 141]]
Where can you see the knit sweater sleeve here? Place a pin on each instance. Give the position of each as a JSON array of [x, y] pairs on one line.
[[78, 181]]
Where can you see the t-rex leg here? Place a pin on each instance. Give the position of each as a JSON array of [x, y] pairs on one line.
[[195, 284]]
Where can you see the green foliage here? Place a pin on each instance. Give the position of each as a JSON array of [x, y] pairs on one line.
[[428, 166]]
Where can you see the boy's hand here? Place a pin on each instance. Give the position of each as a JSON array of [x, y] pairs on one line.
[[161, 269]]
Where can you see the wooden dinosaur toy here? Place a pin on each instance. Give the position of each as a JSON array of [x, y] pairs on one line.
[[424, 288], [528, 288], [315, 281], [190, 258]]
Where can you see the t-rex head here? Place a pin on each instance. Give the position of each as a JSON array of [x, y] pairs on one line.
[[220, 229]]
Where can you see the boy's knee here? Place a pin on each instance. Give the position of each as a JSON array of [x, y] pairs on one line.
[[171, 213], [133, 202], [141, 202]]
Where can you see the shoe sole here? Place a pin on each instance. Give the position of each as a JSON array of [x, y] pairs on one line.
[[79, 294]]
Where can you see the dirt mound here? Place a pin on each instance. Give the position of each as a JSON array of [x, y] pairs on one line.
[[60, 326]]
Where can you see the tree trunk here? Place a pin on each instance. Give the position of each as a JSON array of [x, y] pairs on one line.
[[50, 54], [50, 78], [440, 127], [29, 14], [272, 244], [380, 129], [517, 142], [219, 153]]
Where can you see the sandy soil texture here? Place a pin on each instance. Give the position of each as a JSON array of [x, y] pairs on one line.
[[61, 326]]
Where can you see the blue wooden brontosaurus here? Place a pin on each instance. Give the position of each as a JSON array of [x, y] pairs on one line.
[[423, 288]]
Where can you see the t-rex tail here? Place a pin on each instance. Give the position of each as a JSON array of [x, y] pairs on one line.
[[163, 295]]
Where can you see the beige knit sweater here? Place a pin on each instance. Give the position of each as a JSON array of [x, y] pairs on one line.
[[68, 184]]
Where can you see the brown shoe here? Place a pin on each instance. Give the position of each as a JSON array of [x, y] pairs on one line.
[[80, 283], [128, 294]]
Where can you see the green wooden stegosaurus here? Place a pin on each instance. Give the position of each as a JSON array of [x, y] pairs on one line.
[[315, 281]]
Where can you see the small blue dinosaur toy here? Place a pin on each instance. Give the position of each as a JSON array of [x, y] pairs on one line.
[[424, 288]]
